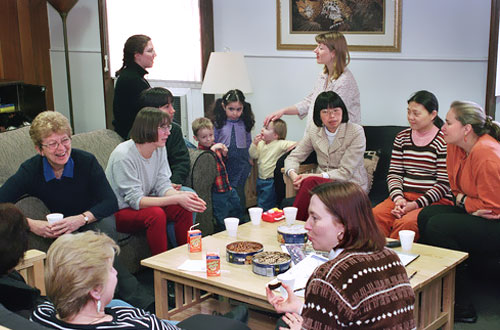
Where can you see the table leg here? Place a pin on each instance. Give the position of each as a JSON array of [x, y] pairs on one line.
[[161, 295], [449, 298]]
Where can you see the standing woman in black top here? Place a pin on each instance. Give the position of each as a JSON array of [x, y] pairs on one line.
[[138, 55]]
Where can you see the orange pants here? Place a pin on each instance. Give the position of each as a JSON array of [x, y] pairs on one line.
[[390, 225]]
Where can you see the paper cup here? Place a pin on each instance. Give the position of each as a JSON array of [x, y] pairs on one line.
[[54, 217], [289, 281], [255, 215], [406, 238], [290, 214], [231, 226]]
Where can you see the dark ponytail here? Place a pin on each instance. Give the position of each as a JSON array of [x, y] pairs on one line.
[[134, 45]]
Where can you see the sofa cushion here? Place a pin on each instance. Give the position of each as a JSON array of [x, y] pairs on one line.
[[16, 147], [100, 143], [381, 138], [370, 162]]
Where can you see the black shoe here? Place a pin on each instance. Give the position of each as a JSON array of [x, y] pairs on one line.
[[465, 313], [239, 313]]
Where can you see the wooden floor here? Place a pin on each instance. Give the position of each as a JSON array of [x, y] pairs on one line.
[[257, 319]]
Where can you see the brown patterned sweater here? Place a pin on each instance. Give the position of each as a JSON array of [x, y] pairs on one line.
[[359, 290]]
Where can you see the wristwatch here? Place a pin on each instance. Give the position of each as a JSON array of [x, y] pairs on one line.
[[461, 202], [86, 218]]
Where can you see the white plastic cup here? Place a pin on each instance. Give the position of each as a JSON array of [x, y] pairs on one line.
[[289, 281], [231, 226], [54, 217], [290, 214], [406, 238], [255, 215]]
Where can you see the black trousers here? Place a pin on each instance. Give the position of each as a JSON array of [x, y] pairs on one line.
[[452, 227]]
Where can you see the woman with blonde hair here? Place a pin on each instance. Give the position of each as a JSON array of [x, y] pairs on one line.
[[472, 224], [331, 51], [69, 181], [80, 281], [72, 182]]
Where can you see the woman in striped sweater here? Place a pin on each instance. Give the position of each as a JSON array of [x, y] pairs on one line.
[[80, 281], [417, 174]]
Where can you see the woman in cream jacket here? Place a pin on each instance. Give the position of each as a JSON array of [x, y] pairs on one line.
[[339, 146]]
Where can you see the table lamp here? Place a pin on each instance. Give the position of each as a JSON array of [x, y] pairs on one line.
[[226, 71]]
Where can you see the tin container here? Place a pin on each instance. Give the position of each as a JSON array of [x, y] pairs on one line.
[[241, 252], [270, 263], [295, 234]]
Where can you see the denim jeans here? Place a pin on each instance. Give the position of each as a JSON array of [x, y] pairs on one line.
[[266, 196], [225, 204]]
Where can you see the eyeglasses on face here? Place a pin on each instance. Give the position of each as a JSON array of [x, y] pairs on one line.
[[53, 145], [165, 128], [329, 112]]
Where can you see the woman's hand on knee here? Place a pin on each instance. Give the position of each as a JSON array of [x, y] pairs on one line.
[[487, 214]]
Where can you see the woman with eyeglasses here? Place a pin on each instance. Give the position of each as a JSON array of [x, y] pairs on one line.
[[68, 181], [333, 53], [139, 174], [339, 146], [72, 182]]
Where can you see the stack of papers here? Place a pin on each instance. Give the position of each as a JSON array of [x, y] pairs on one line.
[[303, 270], [406, 258]]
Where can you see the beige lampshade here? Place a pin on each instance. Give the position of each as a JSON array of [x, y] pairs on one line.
[[226, 71]]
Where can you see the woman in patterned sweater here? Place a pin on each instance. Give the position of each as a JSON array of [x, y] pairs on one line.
[[364, 285], [417, 173]]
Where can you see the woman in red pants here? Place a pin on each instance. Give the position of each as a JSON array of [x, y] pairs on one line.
[[139, 174], [339, 146]]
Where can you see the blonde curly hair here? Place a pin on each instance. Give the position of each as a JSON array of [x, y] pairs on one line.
[[47, 123]]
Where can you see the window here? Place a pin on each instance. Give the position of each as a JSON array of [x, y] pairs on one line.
[[174, 29]]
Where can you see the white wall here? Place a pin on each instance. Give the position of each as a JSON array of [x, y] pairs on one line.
[[85, 65], [444, 49]]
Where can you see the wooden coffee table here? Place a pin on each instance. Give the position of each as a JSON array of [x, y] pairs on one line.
[[434, 282]]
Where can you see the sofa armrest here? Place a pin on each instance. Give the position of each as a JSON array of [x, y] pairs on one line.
[[31, 268], [201, 178], [289, 189]]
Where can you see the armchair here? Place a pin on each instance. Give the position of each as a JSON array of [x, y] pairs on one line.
[[31, 269]]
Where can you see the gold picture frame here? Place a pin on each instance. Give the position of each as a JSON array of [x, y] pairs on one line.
[[368, 25]]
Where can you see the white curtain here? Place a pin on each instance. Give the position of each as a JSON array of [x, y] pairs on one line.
[[174, 28]]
